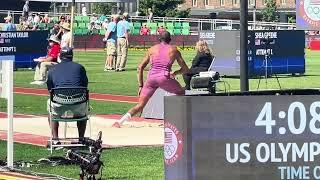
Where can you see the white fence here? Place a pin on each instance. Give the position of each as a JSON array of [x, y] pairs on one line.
[[195, 24]]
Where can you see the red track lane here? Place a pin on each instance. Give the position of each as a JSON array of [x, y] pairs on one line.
[[25, 138], [93, 96], [4, 115], [17, 176]]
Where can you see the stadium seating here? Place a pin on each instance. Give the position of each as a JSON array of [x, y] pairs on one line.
[[185, 31], [82, 25], [153, 31], [102, 32], [78, 19], [95, 31], [85, 31], [78, 31], [131, 27], [42, 26], [85, 19], [177, 25], [169, 26], [170, 31], [152, 25], [136, 31], [185, 25], [161, 24], [50, 25], [55, 19], [136, 28], [177, 32], [137, 25]]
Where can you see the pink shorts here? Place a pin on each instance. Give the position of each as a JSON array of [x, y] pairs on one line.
[[163, 82]]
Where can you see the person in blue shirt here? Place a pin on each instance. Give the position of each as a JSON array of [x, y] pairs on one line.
[[66, 74], [9, 26], [123, 29], [111, 38]]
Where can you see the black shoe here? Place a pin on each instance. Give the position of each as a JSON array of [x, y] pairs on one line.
[[48, 146]]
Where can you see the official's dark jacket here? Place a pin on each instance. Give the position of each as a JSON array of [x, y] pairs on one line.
[[202, 60], [67, 74]]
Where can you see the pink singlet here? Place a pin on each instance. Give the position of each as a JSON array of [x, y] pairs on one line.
[[159, 74]]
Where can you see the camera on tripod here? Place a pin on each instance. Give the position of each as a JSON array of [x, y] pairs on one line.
[[90, 163]]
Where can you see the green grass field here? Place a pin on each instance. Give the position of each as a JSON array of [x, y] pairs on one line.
[[125, 83], [127, 163], [119, 163]]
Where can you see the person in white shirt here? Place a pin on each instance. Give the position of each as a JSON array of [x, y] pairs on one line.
[[150, 16], [66, 37], [36, 18], [25, 10], [105, 24], [36, 21], [84, 10]]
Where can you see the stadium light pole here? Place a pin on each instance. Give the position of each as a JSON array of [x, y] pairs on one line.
[[138, 3], [254, 14], [244, 82], [71, 24]]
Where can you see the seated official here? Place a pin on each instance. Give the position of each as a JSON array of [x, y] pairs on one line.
[[67, 74], [200, 63], [47, 62]]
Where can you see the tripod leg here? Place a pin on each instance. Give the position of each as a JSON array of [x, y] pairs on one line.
[[278, 80], [259, 82], [82, 174]]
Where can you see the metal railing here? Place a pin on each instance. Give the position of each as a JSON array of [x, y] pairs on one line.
[[196, 25]]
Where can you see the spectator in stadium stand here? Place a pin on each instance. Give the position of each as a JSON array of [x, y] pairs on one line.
[[62, 20], [47, 62], [119, 11], [45, 19], [102, 18], [30, 21], [161, 29], [67, 74], [161, 58], [66, 36], [144, 30], [55, 31], [111, 38], [9, 26], [36, 21], [25, 10], [83, 10], [150, 15], [201, 62], [36, 18], [93, 21], [105, 24], [123, 29]]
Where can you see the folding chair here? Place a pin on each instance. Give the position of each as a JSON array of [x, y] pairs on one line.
[[66, 98]]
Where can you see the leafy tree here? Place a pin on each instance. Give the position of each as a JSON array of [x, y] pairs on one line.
[[269, 13], [105, 8], [163, 8]]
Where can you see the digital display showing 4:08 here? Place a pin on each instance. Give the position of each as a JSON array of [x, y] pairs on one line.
[[295, 115]]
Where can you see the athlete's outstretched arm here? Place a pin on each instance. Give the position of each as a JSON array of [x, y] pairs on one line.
[[183, 66]]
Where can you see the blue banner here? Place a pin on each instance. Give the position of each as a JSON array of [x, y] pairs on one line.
[[24, 45]]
